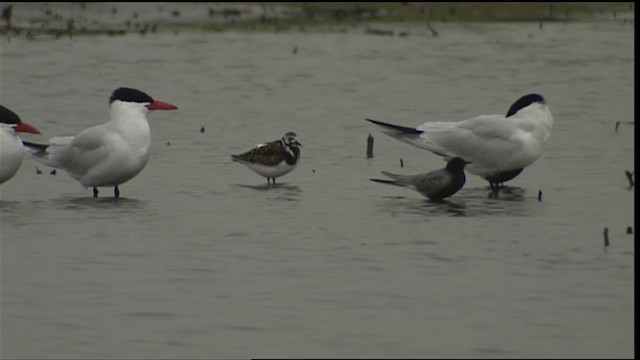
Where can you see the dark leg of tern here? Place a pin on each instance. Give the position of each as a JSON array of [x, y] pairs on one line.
[[95, 192], [116, 192], [495, 188]]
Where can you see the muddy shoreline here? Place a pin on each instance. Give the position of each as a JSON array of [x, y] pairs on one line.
[[36, 20]]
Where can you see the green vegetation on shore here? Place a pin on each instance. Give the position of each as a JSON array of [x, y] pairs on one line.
[[72, 19]]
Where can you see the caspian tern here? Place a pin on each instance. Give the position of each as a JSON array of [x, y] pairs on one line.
[[436, 185], [111, 153], [495, 147], [272, 159], [11, 148]]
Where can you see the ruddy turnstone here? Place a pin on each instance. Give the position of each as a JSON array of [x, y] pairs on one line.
[[437, 184], [108, 154], [496, 147], [272, 159]]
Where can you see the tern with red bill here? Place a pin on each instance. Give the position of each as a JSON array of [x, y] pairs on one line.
[[109, 154], [11, 148]]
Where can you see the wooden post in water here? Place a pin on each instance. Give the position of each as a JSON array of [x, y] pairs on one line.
[[369, 146], [630, 177]]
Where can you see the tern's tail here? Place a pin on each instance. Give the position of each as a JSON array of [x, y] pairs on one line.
[[44, 152], [396, 131], [398, 180], [39, 152], [408, 135], [390, 182], [35, 148]]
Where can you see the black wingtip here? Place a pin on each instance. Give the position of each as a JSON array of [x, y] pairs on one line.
[[375, 121], [402, 129], [383, 181], [36, 146]]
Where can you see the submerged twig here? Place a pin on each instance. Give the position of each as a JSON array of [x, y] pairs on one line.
[[433, 31]]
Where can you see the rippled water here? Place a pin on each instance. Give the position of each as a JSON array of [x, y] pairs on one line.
[[199, 258]]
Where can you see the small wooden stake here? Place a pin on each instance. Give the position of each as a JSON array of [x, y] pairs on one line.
[[369, 146]]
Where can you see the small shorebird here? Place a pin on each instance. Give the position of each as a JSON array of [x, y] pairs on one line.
[[272, 159]]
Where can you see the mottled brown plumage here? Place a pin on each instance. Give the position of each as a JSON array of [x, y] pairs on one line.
[[269, 154], [272, 159]]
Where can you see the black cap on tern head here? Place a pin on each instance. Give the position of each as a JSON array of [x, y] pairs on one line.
[[9, 117], [131, 95], [524, 102]]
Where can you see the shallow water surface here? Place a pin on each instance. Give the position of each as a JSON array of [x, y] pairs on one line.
[[199, 258]]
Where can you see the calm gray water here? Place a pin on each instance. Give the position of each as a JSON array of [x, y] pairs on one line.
[[200, 259]]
